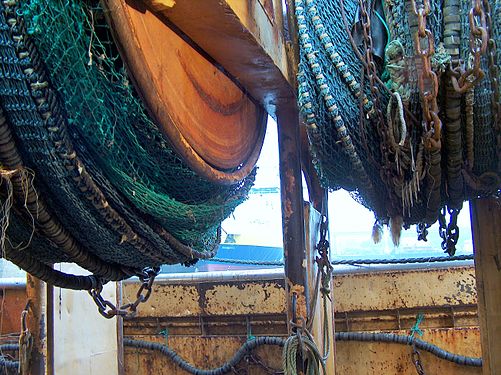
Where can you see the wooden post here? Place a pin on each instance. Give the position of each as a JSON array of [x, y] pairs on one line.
[[35, 292], [296, 275], [50, 330], [486, 226]]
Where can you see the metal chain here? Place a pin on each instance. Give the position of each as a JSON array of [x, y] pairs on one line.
[[449, 233], [109, 310], [427, 78], [494, 74], [416, 360], [463, 80]]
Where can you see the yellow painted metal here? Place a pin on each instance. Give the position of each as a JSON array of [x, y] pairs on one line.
[[450, 321], [405, 289]]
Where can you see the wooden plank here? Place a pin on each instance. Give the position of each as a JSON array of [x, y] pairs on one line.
[[243, 38], [293, 227], [36, 294], [486, 226]]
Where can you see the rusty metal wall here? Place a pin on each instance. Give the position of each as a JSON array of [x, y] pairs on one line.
[[13, 300], [206, 322]]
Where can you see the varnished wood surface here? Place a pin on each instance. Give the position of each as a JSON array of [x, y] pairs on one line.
[[208, 119], [486, 226]]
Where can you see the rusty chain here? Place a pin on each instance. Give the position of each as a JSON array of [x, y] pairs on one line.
[[416, 360], [494, 76], [449, 233], [465, 79], [107, 309], [427, 78]]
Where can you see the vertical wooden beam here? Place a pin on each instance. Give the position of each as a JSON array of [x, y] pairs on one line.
[[50, 330], [486, 226], [291, 191], [35, 292]]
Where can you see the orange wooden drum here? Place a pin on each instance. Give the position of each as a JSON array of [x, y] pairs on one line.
[[209, 120]]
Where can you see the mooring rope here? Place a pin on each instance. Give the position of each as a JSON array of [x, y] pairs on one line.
[[252, 344], [355, 262]]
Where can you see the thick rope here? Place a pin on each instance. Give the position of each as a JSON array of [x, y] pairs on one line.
[[355, 262], [278, 341]]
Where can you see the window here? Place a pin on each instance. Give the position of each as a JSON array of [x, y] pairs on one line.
[[254, 231]]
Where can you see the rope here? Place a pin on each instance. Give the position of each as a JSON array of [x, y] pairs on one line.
[[305, 346], [278, 341], [9, 347], [6, 364], [224, 369], [356, 262], [408, 340]]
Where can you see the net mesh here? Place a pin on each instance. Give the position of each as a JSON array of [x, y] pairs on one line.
[[122, 149], [388, 145]]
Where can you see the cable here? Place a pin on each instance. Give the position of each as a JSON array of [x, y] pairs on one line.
[[408, 340], [278, 341], [355, 262], [11, 365], [224, 369]]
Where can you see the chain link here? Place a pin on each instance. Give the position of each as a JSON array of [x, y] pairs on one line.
[[109, 310], [449, 233], [427, 78], [416, 360], [494, 76], [463, 80]]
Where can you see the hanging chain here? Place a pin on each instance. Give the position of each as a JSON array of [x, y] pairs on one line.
[[427, 78], [449, 233], [109, 310], [494, 74], [463, 80], [416, 360]]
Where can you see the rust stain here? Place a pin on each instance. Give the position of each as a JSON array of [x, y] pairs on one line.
[[244, 299]]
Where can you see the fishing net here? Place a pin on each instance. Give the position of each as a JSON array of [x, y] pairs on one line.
[[407, 146], [102, 166]]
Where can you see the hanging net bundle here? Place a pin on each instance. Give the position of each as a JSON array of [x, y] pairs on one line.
[[401, 99], [87, 175]]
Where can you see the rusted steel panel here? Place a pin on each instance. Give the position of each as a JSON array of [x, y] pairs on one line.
[[167, 300], [201, 352], [352, 358], [240, 325], [405, 289], [267, 298], [211, 299], [13, 302], [392, 359], [434, 317]]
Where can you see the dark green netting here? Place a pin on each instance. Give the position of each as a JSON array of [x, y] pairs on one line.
[[352, 144], [101, 164], [79, 53]]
